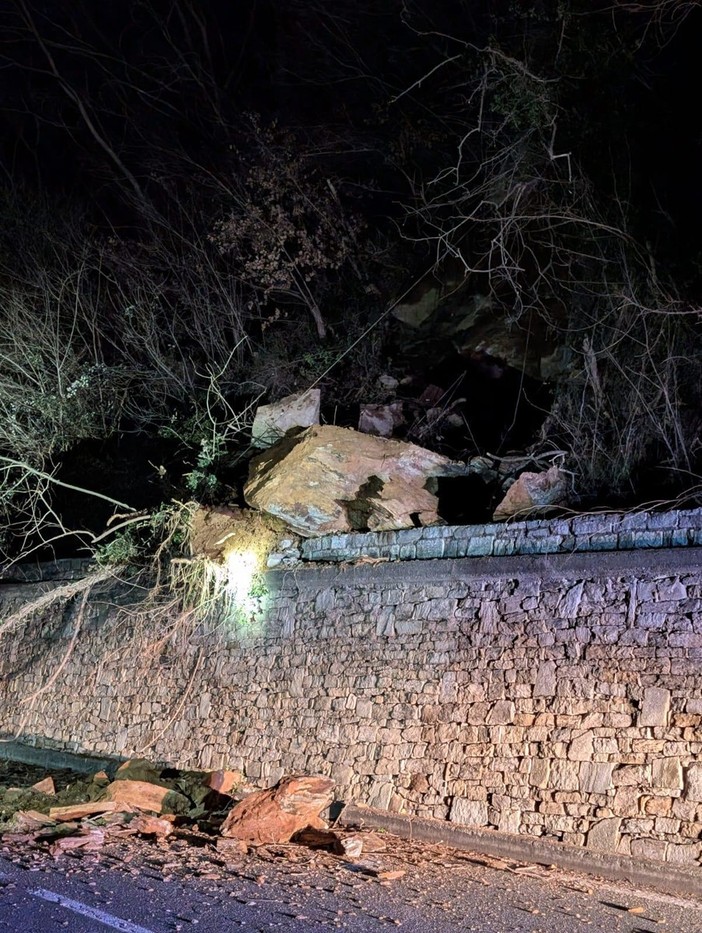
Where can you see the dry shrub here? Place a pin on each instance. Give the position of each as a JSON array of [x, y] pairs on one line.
[[516, 208], [285, 228]]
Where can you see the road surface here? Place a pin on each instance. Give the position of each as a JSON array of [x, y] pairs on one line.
[[140, 887]]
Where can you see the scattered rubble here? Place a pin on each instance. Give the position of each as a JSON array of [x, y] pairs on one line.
[[28, 821], [152, 826], [342, 876], [350, 844], [381, 420], [45, 787], [88, 839], [79, 811], [224, 782], [232, 849], [212, 811]]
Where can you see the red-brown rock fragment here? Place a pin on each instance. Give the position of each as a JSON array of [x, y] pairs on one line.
[[276, 814]]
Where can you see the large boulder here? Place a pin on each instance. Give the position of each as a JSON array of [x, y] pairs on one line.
[[274, 816], [329, 479], [271, 422]]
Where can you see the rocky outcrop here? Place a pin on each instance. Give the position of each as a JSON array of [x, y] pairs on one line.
[[482, 328], [335, 479], [273, 421], [427, 296], [275, 815]]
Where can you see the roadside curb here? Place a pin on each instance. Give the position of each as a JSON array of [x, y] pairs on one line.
[[657, 875], [54, 758]]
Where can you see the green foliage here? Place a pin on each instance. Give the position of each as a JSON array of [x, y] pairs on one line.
[[56, 386], [525, 102], [315, 363], [123, 550], [149, 542], [202, 481]]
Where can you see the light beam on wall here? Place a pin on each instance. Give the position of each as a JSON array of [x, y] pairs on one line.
[[239, 572]]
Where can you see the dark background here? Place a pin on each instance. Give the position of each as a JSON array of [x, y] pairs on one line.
[[139, 141]]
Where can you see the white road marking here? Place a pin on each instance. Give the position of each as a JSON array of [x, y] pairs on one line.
[[93, 912]]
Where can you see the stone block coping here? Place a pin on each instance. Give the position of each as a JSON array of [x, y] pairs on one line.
[[605, 531]]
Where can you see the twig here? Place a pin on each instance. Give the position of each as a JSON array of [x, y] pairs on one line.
[[30, 701], [179, 706], [11, 463], [419, 81]]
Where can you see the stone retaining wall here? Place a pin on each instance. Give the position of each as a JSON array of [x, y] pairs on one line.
[[550, 695]]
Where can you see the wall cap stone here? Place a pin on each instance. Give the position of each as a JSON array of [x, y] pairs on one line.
[[544, 567], [600, 531]]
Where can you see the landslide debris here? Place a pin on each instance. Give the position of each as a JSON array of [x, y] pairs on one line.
[[65, 813]]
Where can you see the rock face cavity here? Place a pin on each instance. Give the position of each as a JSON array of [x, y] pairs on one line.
[[326, 479]]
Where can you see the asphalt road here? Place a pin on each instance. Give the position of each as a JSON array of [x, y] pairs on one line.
[[441, 892]]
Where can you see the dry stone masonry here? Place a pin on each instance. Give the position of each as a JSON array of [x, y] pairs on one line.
[[597, 532], [549, 694]]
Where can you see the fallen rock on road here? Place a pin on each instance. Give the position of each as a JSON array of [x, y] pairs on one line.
[[276, 814]]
